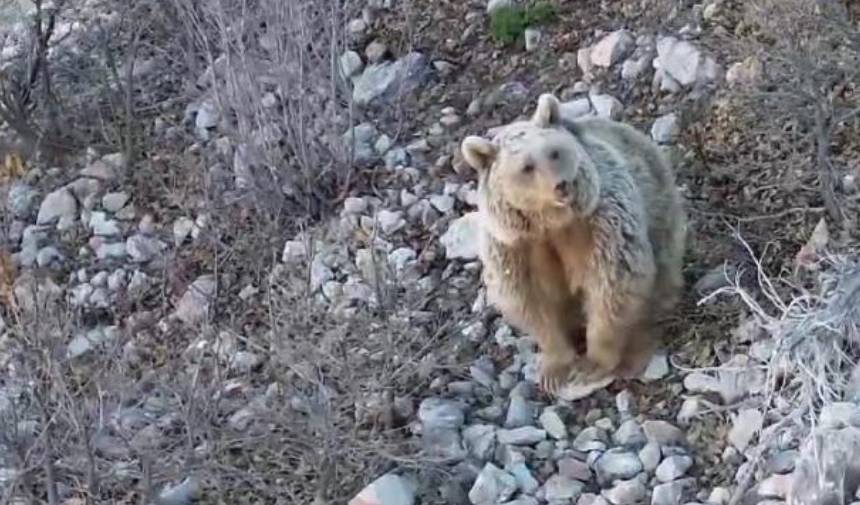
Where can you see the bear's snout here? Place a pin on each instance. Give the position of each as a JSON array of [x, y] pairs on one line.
[[563, 190]]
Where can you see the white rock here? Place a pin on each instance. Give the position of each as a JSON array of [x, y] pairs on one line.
[[657, 368], [560, 489], [663, 433], [684, 62], [634, 67], [745, 73], [553, 424], [493, 486], [101, 225], [665, 129], [390, 489], [689, 411], [193, 307], [525, 480], [207, 118], [59, 205], [384, 79], [617, 464], [114, 202], [442, 203], [526, 435], [650, 456], [572, 392], [436, 413], [48, 255], [350, 63], [390, 221], [480, 440], [532, 39], [462, 238], [142, 248], [672, 493], [626, 492], [673, 467], [354, 205], [838, 415], [612, 48], [181, 229], [719, 496], [605, 106], [745, 425]]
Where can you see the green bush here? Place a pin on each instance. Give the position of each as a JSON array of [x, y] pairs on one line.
[[510, 22]]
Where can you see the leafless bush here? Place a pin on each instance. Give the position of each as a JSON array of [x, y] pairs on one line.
[[271, 71], [809, 51]]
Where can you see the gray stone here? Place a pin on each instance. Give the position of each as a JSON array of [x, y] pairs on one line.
[[193, 307], [114, 250], [359, 143], [525, 480], [101, 225], [207, 118], [442, 203], [617, 464], [21, 199], [390, 489], [185, 492], [142, 248], [719, 496], [630, 434], [553, 424], [114, 202], [590, 439], [663, 433], [612, 48], [689, 411], [839, 415], [602, 105], [532, 38], [626, 404], [439, 413], [375, 51], [672, 493], [574, 469], [495, 5], [665, 129], [626, 492], [390, 222], [745, 425], [562, 489], [59, 206], [527, 435], [684, 62], [350, 64], [748, 72], [520, 412], [461, 238], [673, 467], [480, 440], [382, 80], [782, 461], [492, 486]]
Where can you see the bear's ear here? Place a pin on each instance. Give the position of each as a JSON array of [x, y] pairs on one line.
[[478, 152], [548, 112]]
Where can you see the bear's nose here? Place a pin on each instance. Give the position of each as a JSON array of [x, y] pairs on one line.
[[562, 189]]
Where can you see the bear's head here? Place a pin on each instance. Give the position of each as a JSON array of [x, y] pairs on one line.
[[536, 167]]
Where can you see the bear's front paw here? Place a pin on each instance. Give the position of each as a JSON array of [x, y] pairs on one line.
[[553, 375], [585, 372]]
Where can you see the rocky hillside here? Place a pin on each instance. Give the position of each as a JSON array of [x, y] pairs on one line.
[[257, 282]]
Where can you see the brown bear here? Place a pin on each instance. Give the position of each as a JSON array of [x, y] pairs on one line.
[[583, 238]]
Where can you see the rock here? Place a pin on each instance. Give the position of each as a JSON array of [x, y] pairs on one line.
[[357, 27], [612, 48], [745, 425], [101, 225], [626, 492], [480, 440], [630, 434], [461, 238], [719, 496], [626, 404], [442, 203], [186, 492], [665, 129], [617, 464], [375, 51], [605, 106], [193, 307], [672, 493], [492, 486], [701, 383], [574, 469], [748, 72], [689, 411], [520, 412], [562, 489], [839, 415], [553, 424], [84, 343], [522, 500], [684, 62], [633, 68], [673, 467], [526, 435], [438, 413], [207, 118], [114, 202], [390, 221], [532, 38], [590, 439], [663, 433], [359, 142], [495, 5], [142, 248], [48, 255], [390, 489], [106, 250], [59, 206], [20, 199], [525, 480], [382, 80], [182, 228]]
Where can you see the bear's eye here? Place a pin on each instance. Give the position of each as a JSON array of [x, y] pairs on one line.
[[554, 155], [528, 168]]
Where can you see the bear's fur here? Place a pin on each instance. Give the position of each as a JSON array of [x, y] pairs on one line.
[[583, 239]]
